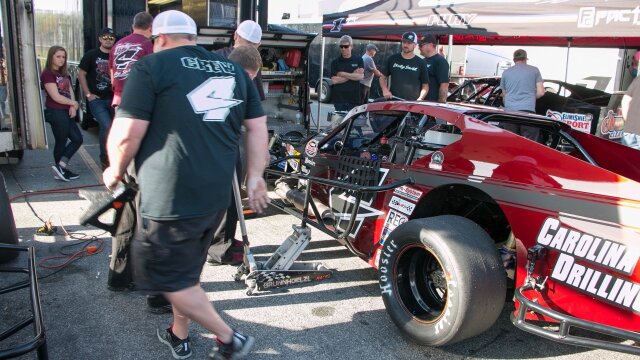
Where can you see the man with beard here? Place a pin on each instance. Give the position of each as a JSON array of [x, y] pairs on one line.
[[407, 73], [95, 81]]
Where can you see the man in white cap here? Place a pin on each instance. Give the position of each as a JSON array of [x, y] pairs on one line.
[[183, 131], [227, 249], [408, 73], [247, 33]]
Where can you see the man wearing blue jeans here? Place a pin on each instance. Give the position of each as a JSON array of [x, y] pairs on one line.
[[95, 80]]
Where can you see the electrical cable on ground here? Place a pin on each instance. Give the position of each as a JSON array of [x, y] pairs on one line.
[[90, 244]]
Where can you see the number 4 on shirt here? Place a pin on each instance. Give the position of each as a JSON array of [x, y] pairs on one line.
[[214, 98]]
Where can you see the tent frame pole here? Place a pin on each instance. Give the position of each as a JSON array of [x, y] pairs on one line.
[[321, 83]]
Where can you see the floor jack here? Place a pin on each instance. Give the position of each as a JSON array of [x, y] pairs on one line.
[[281, 269]]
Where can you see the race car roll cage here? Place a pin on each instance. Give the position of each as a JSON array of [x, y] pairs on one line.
[[358, 175]]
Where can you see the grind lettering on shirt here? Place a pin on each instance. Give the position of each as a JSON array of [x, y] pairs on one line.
[[210, 66]]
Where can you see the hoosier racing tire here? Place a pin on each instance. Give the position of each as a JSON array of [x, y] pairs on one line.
[[441, 279]]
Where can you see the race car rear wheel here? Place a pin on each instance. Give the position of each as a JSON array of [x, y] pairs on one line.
[[441, 279]]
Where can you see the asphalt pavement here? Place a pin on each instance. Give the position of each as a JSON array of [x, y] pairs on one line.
[[339, 318]]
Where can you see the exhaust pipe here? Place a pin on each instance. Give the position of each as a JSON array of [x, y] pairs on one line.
[[296, 198]]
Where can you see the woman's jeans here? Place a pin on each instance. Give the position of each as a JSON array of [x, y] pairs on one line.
[[102, 111], [63, 128]]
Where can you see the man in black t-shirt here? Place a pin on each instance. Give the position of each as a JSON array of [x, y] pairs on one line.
[[95, 80], [183, 131], [408, 73], [346, 73], [438, 69]]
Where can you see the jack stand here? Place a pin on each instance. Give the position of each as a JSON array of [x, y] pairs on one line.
[[281, 269]]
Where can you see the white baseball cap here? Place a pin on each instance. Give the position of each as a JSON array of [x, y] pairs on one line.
[[174, 22], [250, 31]]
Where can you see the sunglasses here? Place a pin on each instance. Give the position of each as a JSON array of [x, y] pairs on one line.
[[107, 37], [344, 46]]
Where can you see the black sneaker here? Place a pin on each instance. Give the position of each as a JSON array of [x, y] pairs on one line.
[[70, 174], [157, 304], [58, 173], [238, 349], [180, 349]]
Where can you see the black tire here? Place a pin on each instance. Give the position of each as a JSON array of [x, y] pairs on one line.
[[324, 95], [428, 308], [8, 233]]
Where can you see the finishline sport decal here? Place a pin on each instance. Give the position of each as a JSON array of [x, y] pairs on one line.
[[576, 245]]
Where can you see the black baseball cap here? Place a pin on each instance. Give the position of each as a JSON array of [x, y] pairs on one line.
[[428, 39], [410, 36], [106, 31]]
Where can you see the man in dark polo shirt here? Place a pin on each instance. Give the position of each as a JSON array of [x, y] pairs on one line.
[[183, 131], [406, 72], [346, 73], [438, 69]]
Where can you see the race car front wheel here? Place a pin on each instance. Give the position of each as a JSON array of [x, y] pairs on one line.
[[441, 279]]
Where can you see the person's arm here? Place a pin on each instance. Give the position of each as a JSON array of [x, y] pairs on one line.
[[256, 148], [82, 78], [123, 143], [356, 75], [338, 80], [384, 87], [52, 91], [539, 90], [443, 92], [624, 105], [423, 92]]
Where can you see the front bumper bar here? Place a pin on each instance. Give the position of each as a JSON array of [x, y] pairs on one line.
[[566, 322]]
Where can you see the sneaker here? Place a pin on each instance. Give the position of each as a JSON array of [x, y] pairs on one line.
[[70, 174], [58, 173], [157, 304], [180, 349], [238, 349]]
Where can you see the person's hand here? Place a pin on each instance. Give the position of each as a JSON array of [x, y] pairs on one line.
[[257, 191], [92, 97], [73, 110], [110, 178], [386, 94]]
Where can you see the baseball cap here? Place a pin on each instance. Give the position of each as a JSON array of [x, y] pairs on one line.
[[410, 36], [250, 31], [372, 47], [106, 31], [174, 22], [428, 39], [520, 54]]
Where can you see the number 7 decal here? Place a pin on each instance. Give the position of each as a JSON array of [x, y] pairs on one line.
[[214, 98]]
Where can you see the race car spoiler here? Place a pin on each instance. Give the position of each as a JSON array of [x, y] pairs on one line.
[[567, 322]]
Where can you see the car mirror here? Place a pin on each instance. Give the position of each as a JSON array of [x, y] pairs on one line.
[[338, 146]]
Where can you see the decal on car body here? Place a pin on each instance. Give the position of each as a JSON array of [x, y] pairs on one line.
[[591, 249], [408, 192], [402, 205], [393, 220]]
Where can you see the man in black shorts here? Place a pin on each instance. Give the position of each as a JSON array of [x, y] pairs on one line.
[[408, 73], [183, 132]]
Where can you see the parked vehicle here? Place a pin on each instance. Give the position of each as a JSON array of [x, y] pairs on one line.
[[453, 211], [578, 106]]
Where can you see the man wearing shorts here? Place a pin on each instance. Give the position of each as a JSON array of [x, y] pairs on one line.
[[183, 131]]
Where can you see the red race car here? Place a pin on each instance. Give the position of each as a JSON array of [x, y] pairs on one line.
[[457, 205]]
